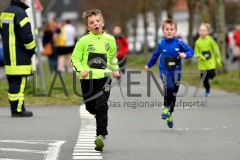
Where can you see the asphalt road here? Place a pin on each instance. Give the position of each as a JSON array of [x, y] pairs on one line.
[[204, 128], [52, 128]]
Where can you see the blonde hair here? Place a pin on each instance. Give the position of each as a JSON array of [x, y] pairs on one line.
[[89, 13], [207, 25], [169, 21]]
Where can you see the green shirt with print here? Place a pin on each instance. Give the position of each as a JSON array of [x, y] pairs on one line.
[[207, 52], [87, 48]]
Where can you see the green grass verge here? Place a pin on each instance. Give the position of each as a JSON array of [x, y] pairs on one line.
[[57, 97]]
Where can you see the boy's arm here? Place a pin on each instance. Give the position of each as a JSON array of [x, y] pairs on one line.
[[186, 49], [77, 57], [155, 56], [197, 53], [112, 55]]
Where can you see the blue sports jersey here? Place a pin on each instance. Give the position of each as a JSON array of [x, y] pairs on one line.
[[168, 48]]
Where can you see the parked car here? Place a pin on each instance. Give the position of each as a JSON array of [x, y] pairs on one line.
[[1, 53]]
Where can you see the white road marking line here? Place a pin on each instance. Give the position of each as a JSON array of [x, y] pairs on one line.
[[26, 141], [91, 142], [87, 145], [9, 159], [86, 140], [199, 129], [23, 150], [86, 137], [87, 157], [52, 152], [88, 133], [54, 149], [84, 143], [84, 148], [86, 154]]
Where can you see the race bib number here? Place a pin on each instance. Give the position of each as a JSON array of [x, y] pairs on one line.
[[97, 60], [172, 62], [206, 54]]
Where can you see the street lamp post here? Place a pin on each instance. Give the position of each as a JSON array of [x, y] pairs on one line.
[[38, 53]]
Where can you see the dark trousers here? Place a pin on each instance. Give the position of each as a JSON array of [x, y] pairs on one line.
[[210, 74], [171, 89], [52, 60], [96, 93], [16, 92]]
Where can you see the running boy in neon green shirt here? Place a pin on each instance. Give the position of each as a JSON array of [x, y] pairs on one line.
[[94, 60]]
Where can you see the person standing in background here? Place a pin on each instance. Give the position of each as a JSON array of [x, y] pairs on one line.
[[236, 37], [19, 47], [48, 40], [70, 33], [61, 46], [122, 47]]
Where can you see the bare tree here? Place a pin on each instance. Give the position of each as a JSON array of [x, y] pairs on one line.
[[158, 6], [220, 29], [232, 12], [168, 7], [204, 7], [191, 10]]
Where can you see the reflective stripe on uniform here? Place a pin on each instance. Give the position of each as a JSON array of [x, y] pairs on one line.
[[7, 21], [24, 21], [30, 45], [12, 44], [15, 97], [18, 70], [19, 96], [21, 92], [7, 17]]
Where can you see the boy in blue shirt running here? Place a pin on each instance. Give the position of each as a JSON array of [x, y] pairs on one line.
[[171, 49]]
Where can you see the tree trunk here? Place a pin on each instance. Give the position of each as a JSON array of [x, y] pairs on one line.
[[220, 30], [145, 43], [144, 9], [169, 5], [191, 9], [205, 17], [157, 24], [134, 24]]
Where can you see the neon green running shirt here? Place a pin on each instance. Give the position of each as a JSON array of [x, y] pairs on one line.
[[203, 45], [91, 44]]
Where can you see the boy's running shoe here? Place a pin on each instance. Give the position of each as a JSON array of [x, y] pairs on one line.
[[170, 121], [165, 114], [99, 142]]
